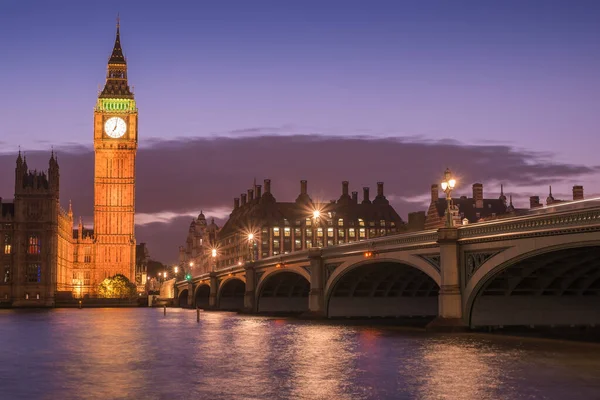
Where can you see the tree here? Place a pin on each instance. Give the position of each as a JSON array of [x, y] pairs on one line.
[[117, 286]]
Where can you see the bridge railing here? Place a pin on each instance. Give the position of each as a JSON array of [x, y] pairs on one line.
[[554, 218]]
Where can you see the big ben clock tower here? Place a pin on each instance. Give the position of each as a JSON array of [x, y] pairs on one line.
[[115, 146]]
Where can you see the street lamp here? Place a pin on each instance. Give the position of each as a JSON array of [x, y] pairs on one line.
[[316, 217], [251, 245], [447, 186], [176, 269], [213, 254]]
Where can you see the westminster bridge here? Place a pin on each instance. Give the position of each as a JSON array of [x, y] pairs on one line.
[[538, 269]]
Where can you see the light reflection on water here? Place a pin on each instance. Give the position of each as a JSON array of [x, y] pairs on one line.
[[139, 353]]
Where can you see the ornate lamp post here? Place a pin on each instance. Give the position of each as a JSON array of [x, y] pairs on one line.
[[316, 217], [213, 254], [251, 245], [447, 186]]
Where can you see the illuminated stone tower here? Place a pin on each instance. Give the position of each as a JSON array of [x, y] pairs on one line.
[[115, 146]]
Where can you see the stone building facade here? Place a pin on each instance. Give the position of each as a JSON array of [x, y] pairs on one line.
[[44, 255], [260, 226], [467, 210]]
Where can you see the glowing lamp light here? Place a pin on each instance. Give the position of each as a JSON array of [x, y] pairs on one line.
[[251, 236], [230, 274], [213, 253], [368, 254], [278, 266], [239, 263], [191, 263], [188, 277], [449, 182], [316, 214], [176, 269]]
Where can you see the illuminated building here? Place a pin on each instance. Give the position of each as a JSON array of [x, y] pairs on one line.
[[467, 210], [260, 226], [44, 255]]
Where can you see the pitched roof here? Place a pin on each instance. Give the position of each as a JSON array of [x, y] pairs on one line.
[[266, 212], [467, 209]]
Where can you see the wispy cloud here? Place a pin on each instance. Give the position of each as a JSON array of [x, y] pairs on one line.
[[178, 178]]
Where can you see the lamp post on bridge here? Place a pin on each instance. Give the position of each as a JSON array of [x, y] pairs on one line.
[[251, 245], [213, 254], [447, 186], [316, 217]]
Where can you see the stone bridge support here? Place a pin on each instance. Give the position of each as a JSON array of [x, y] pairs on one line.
[[250, 294], [190, 296], [214, 290], [316, 297], [450, 295]]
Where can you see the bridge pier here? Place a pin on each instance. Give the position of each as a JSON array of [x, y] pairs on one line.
[[250, 294], [450, 296], [316, 296], [190, 297], [214, 289]]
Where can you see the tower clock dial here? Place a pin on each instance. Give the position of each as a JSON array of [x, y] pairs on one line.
[[115, 127]]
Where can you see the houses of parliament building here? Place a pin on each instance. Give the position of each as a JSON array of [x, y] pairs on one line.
[[44, 252]]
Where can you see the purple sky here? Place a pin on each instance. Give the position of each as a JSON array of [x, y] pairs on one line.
[[512, 87]]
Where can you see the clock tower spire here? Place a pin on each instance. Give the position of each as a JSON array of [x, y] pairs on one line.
[[116, 77], [115, 147]]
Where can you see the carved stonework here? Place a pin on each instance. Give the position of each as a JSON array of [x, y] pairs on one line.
[[474, 261], [329, 268], [433, 259]]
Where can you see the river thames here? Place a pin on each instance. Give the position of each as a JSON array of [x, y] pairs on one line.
[[141, 354]]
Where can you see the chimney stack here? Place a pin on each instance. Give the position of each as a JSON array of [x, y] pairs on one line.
[[345, 188], [434, 193], [534, 201], [379, 189], [355, 197], [258, 191], [250, 195], [366, 196], [243, 195], [267, 186], [478, 195], [577, 192], [236, 203], [303, 186]]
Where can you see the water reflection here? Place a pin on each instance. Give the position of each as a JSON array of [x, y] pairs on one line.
[[140, 353]]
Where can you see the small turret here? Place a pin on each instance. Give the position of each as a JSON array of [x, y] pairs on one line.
[[502, 196], [550, 198], [53, 174]]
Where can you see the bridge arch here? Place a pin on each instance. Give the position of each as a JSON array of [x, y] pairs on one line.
[[383, 287], [283, 290], [231, 293], [182, 298], [546, 286], [202, 296]]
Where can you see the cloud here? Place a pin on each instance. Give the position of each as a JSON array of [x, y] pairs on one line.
[[178, 178]]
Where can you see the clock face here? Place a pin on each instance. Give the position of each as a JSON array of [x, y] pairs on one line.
[[115, 127]]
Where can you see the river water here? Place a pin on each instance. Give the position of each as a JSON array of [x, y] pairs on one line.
[[141, 354]]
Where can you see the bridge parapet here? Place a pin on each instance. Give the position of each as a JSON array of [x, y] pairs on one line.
[[554, 223]]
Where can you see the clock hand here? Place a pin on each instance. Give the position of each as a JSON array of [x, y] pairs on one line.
[[116, 122]]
